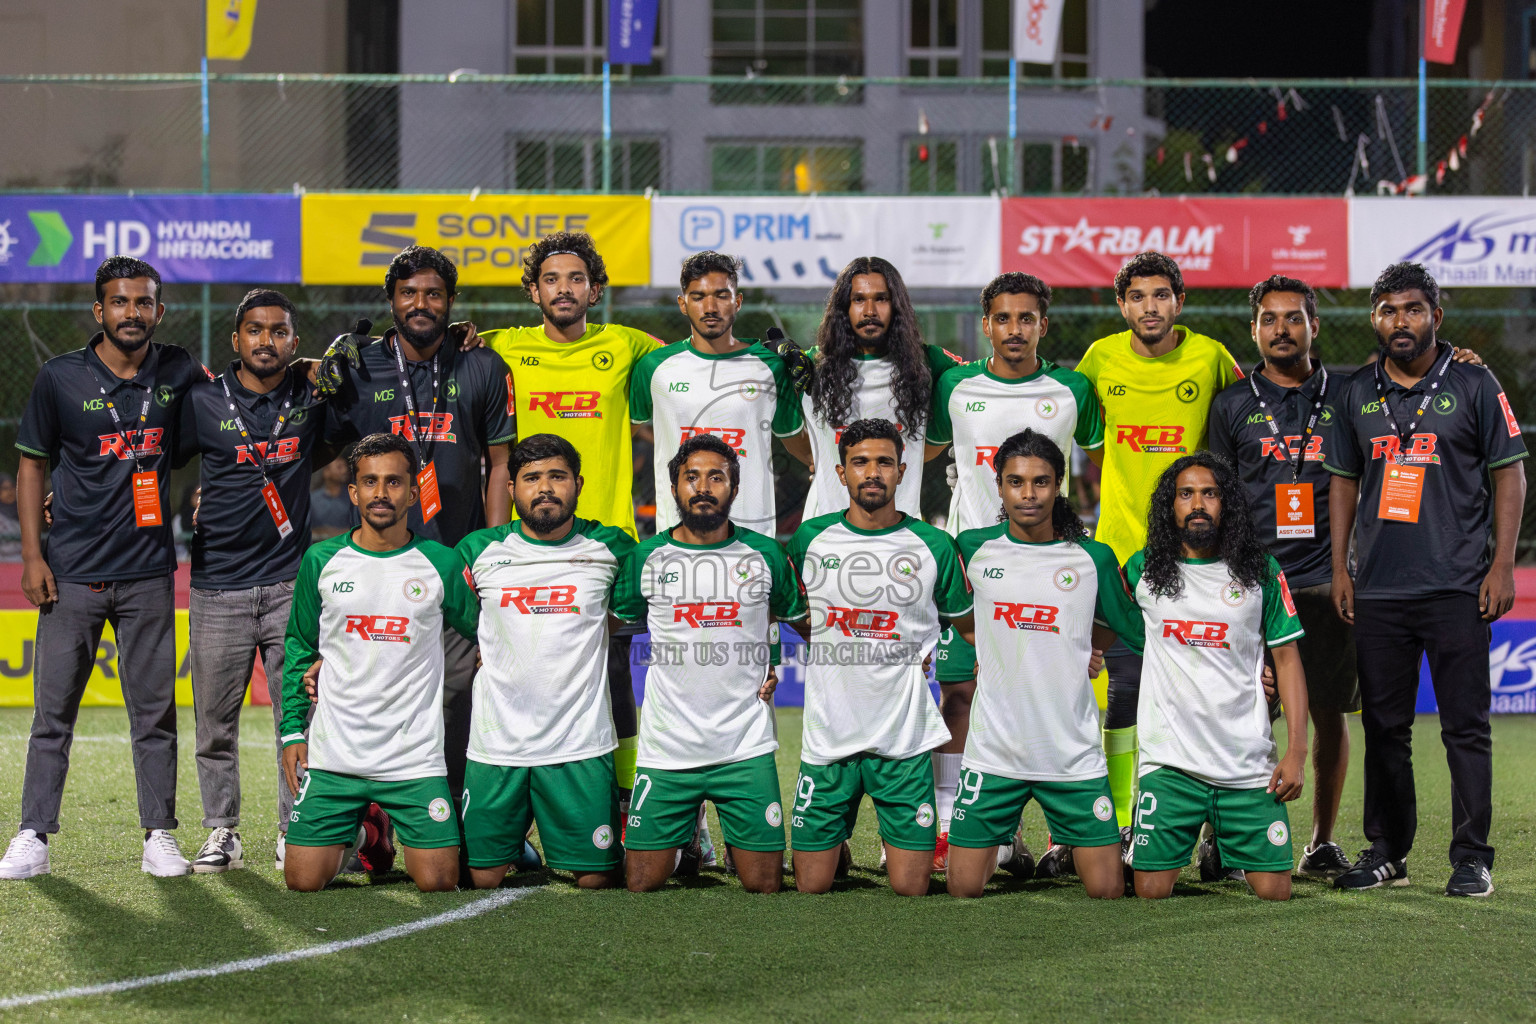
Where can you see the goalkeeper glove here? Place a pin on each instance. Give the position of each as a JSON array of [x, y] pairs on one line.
[[342, 353], [795, 360]]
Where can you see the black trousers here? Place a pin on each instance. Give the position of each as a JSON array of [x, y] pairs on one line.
[[1390, 638]]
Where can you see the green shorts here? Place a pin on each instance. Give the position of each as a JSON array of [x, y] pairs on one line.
[[1253, 832], [955, 660], [987, 809], [665, 806], [827, 798], [329, 809], [576, 805]]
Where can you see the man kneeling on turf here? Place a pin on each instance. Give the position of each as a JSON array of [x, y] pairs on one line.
[[711, 590], [373, 603], [1211, 598], [541, 736], [878, 582]]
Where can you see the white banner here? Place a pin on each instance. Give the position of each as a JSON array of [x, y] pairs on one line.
[[1036, 30], [803, 242], [1472, 242]]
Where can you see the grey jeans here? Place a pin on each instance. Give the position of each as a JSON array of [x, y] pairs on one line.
[[229, 628], [143, 617]]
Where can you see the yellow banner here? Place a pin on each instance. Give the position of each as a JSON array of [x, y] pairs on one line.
[[351, 239], [18, 630], [229, 28]]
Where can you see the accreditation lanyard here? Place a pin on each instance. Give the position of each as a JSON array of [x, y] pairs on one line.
[[426, 478], [1405, 436], [146, 483], [1306, 434], [263, 456]]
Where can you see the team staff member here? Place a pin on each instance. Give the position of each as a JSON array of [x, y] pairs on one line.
[[257, 429], [103, 420], [1155, 381], [454, 408], [1415, 441]]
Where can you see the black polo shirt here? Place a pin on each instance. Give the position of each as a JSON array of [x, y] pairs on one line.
[[473, 413], [1240, 432], [95, 537], [237, 545], [1468, 430]]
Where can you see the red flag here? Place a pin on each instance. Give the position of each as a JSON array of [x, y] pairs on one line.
[[1442, 28]]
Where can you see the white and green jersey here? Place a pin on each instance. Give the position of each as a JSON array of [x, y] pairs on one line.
[[541, 696], [871, 398], [1202, 708], [977, 411], [1034, 715], [875, 599], [377, 620], [743, 397], [711, 610]]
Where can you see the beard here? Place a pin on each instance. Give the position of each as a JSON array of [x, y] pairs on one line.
[[1203, 537], [721, 328], [1421, 344], [130, 344], [703, 516], [546, 517], [872, 501], [1287, 362], [420, 338], [560, 319]]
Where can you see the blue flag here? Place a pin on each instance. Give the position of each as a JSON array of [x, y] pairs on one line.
[[631, 30]]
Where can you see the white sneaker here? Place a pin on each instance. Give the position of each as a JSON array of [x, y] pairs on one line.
[[162, 857], [282, 848], [26, 856], [220, 853]]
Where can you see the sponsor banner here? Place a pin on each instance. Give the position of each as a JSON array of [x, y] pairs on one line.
[[350, 239], [187, 238], [1218, 243], [631, 27], [1472, 242], [1036, 30], [805, 241], [1442, 28]]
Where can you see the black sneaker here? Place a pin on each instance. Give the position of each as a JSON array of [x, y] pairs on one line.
[[1019, 861], [1471, 878], [1374, 870], [1127, 851], [1326, 860], [1208, 856], [689, 860], [1056, 863], [220, 853]]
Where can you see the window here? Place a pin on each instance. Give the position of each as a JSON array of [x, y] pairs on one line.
[[997, 42], [566, 37], [933, 166], [576, 164], [786, 37], [817, 166], [933, 39], [1044, 167]]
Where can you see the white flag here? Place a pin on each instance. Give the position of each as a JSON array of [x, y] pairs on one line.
[[1036, 30]]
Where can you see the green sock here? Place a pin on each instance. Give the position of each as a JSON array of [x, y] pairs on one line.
[[624, 762], [1120, 752]]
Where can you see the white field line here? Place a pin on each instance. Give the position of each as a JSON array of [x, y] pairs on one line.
[[500, 898]]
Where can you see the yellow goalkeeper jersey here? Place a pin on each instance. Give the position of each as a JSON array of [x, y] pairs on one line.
[[580, 391], [1155, 410]]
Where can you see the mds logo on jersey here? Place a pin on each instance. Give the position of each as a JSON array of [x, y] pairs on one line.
[[864, 623], [541, 600], [1158, 440], [1191, 633], [380, 628], [1269, 448], [707, 614], [735, 437], [431, 426], [287, 450], [1015, 615], [1421, 450], [125, 444], [985, 454], [565, 405]]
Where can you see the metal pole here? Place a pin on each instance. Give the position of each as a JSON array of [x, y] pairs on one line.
[[1423, 92], [207, 187], [607, 129], [1013, 127]]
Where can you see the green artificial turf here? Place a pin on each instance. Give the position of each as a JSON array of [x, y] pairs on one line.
[[706, 951]]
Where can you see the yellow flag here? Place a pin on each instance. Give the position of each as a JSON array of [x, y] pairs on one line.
[[229, 28]]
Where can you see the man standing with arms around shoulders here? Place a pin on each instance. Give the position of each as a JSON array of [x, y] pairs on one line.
[[711, 591], [1415, 442], [103, 420], [373, 605]]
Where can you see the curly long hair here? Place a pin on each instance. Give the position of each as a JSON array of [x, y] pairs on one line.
[[1028, 443], [1237, 544], [836, 346]]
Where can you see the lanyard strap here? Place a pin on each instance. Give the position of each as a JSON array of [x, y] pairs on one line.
[[408, 393], [117, 422], [1404, 436], [245, 436], [1306, 434]]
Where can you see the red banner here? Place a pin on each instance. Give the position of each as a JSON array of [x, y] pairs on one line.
[[1442, 27], [1218, 243]]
